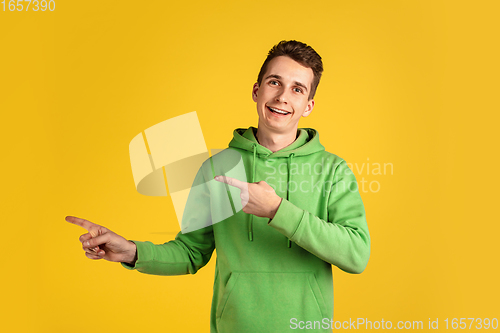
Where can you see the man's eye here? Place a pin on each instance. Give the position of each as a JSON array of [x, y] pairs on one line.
[[273, 82], [298, 90]]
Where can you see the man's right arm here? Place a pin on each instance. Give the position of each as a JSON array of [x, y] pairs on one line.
[[186, 254], [189, 251]]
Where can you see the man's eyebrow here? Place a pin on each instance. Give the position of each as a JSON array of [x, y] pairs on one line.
[[276, 76], [297, 83]]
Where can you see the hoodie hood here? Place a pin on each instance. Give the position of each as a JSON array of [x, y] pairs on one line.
[[306, 143]]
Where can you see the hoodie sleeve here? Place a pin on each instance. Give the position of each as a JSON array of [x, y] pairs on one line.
[[186, 254], [343, 240], [189, 251]]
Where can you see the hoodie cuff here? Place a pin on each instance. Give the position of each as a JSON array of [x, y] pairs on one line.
[[287, 219], [143, 253]]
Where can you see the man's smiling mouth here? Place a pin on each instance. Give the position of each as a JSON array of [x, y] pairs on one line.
[[277, 111]]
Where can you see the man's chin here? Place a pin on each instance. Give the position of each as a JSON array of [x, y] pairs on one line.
[[274, 127]]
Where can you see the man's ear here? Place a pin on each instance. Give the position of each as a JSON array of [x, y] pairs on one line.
[[309, 108], [255, 89]]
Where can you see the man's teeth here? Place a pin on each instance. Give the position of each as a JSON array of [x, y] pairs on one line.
[[278, 111]]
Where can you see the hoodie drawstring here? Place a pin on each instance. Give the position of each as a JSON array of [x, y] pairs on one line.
[[254, 164], [250, 222], [290, 157]]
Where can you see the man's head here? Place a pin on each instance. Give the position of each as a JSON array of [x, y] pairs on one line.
[[285, 88], [301, 53]]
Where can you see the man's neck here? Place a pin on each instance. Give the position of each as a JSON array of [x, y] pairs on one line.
[[275, 141]]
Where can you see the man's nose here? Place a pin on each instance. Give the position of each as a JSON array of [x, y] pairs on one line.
[[281, 96]]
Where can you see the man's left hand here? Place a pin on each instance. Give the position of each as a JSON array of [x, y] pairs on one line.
[[258, 199]]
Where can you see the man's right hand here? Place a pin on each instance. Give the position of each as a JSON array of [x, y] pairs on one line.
[[102, 243]]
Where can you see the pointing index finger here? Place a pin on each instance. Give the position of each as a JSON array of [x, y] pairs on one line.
[[78, 221], [233, 182]]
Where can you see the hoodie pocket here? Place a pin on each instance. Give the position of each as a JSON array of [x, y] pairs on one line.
[[269, 302]]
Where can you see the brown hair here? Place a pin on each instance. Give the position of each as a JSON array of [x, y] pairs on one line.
[[301, 53]]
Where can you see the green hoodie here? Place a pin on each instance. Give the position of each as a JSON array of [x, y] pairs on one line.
[[271, 275]]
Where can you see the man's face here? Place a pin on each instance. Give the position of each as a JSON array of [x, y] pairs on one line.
[[285, 87]]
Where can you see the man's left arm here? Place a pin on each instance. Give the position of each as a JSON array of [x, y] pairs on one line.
[[343, 240]]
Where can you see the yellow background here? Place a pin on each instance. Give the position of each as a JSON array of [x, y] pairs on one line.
[[411, 83]]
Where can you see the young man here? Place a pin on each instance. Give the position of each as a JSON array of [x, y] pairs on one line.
[[302, 212]]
